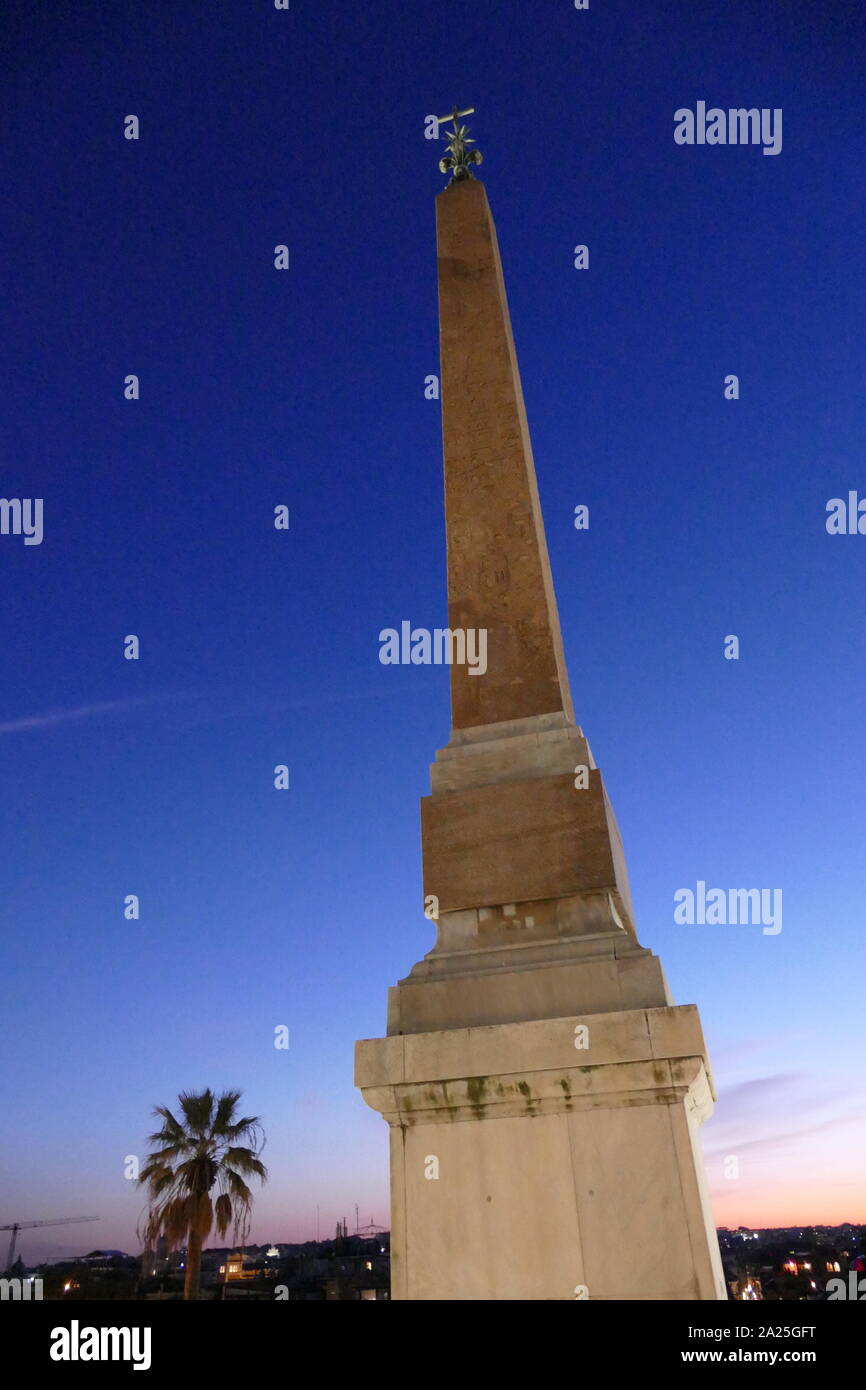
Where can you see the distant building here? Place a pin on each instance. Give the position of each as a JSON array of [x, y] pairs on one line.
[[241, 1267]]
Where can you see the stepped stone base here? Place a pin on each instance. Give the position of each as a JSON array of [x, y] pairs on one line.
[[505, 822], [511, 983]]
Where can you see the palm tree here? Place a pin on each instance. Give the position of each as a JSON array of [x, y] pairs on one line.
[[209, 1148]]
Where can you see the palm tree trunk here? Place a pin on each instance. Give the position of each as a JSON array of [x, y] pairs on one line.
[[193, 1265]]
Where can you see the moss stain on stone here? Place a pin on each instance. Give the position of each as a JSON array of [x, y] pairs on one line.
[[531, 1101], [475, 1088]]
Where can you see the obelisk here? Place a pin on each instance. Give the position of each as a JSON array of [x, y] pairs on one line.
[[543, 1093]]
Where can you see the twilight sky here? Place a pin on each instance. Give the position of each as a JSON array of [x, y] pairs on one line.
[[306, 387]]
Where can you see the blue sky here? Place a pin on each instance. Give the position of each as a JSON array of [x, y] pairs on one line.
[[258, 647]]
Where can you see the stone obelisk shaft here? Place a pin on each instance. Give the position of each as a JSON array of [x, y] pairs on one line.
[[498, 569]]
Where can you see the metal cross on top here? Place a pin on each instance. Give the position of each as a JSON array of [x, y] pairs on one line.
[[459, 156]]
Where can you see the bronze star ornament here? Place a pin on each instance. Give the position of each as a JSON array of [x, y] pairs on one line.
[[459, 157]]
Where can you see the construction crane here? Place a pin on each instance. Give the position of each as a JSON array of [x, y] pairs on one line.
[[17, 1226]]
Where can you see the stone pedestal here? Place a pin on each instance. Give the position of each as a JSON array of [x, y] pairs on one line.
[[524, 1166]]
